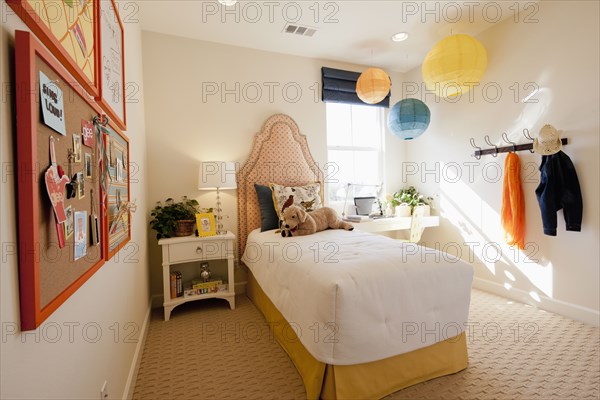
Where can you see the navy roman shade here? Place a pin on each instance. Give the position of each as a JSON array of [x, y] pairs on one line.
[[339, 86]]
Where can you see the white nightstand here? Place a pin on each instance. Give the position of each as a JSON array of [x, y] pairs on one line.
[[191, 249]]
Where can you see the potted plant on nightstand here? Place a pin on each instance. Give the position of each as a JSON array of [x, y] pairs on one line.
[[174, 218], [407, 199]]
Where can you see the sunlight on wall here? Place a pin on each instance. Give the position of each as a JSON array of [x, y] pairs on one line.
[[535, 107], [480, 227]]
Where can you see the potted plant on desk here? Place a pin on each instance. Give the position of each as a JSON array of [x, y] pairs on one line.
[[174, 218], [407, 199]]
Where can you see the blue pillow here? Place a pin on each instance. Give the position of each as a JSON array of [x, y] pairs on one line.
[[268, 216]]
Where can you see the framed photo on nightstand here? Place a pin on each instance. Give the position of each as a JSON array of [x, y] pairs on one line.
[[206, 224]]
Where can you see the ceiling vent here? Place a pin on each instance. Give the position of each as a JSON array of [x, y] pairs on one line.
[[299, 30]]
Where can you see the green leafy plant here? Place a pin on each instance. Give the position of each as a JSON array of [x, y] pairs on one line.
[[410, 196], [164, 217]]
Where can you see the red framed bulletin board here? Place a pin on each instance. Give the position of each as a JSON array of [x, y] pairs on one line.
[[116, 197], [69, 30], [87, 37], [111, 63], [48, 272]]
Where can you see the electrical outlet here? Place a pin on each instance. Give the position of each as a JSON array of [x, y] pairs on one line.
[[104, 391]]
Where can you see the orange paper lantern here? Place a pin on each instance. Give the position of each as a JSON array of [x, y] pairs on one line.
[[373, 85]]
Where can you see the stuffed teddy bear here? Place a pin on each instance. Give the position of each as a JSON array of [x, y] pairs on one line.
[[298, 222]]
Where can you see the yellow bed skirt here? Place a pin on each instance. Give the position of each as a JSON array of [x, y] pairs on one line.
[[371, 380]]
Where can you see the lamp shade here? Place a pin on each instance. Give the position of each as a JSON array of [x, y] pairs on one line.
[[409, 118], [453, 65], [217, 175], [373, 85]]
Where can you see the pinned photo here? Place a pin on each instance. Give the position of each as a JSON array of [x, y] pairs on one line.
[[68, 224], [80, 234], [80, 185], [88, 165], [77, 147], [119, 170]]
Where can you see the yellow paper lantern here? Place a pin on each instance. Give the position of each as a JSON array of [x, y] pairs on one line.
[[454, 65], [373, 85]]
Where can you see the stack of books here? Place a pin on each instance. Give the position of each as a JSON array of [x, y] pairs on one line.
[[197, 287], [176, 284]]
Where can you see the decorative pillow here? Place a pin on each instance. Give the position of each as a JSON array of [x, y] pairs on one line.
[[268, 216], [307, 196]]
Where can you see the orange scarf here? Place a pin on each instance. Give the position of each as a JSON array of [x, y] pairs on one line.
[[513, 203]]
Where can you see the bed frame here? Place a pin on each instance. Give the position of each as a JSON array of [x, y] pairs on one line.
[[280, 155]]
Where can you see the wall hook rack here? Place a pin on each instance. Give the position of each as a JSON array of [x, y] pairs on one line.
[[514, 147]]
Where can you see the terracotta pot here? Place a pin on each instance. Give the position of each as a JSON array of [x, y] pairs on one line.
[[185, 228]]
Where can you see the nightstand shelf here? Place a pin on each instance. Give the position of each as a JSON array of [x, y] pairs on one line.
[[196, 249]]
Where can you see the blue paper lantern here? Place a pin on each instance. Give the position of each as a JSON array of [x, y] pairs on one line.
[[409, 118]]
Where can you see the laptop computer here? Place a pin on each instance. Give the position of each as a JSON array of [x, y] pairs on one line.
[[368, 206]]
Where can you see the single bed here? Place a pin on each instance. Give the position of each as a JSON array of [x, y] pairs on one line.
[[360, 315]]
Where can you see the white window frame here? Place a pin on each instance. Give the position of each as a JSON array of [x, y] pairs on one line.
[[339, 204]]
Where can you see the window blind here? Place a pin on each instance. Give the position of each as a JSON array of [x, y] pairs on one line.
[[339, 86]]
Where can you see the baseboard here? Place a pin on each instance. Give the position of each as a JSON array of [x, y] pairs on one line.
[[137, 356], [569, 310]]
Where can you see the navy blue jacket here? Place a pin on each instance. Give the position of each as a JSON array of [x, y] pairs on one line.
[[559, 188]]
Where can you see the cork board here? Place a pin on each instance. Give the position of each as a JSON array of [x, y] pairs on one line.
[[49, 274], [118, 215]]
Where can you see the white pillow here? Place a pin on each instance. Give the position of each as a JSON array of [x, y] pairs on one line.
[[307, 196]]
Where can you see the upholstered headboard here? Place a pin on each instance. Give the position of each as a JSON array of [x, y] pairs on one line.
[[279, 155]]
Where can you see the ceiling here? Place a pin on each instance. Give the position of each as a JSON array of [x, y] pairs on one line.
[[353, 31]]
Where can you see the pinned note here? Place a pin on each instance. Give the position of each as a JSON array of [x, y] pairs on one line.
[[51, 98]]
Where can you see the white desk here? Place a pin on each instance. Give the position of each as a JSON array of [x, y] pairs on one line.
[[393, 224]]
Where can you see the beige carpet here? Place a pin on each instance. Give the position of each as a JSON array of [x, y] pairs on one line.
[[207, 351]]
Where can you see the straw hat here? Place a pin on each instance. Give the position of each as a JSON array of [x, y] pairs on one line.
[[548, 141]]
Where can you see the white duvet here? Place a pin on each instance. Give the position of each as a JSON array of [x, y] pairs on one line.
[[355, 297]]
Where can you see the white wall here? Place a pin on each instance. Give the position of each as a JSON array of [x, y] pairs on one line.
[[31, 365], [560, 54], [184, 127]]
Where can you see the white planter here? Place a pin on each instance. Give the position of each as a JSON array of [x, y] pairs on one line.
[[389, 211], [426, 210], [403, 210]]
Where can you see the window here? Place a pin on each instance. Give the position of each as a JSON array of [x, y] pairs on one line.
[[355, 151]]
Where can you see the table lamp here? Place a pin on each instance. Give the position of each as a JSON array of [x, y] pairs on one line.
[[217, 175]]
